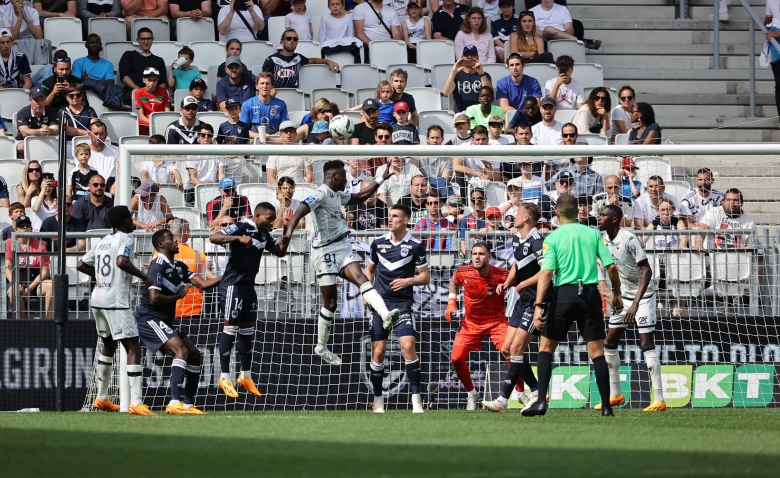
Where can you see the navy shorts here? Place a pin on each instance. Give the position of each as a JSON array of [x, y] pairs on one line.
[[238, 303], [404, 326], [523, 314], [155, 333]]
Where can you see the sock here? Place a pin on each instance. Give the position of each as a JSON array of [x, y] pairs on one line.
[[413, 372], [191, 388], [226, 341], [527, 375], [458, 357], [244, 346], [103, 376], [602, 380], [177, 378], [374, 300], [134, 374], [654, 368], [544, 370], [515, 362], [377, 375], [613, 362], [324, 326]]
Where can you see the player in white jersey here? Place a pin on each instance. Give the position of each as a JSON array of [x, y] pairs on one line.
[[700, 199], [636, 280], [110, 263], [332, 255]]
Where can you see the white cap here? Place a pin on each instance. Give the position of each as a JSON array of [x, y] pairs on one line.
[[287, 125], [151, 71]]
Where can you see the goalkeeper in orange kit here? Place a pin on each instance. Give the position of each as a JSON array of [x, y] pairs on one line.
[[484, 313]]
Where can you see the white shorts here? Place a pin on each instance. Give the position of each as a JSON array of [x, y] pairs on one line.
[[645, 316], [115, 323], [330, 260]]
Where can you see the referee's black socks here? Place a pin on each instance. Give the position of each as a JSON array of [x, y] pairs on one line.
[[602, 380], [544, 369]]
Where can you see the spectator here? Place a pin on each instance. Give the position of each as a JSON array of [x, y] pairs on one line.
[[285, 203], [320, 134], [490, 8], [584, 204], [185, 129], [150, 208], [217, 255], [475, 221], [232, 166], [202, 171], [237, 84], [533, 186], [414, 29], [593, 117], [567, 91], [371, 214], [549, 131], [92, 209], [630, 187], [646, 207], [195, 10], [355, 176], [263, 109], [523, 134], [300, 169], [134, 63], [80, 115], [233, 128], [152, 98], [400, 182], [234, 47], [614, 195], [87, 9], [382, 136], [555, 23], [530, 114], [666, 220], [336, 25], [527, 41], [285, 65], [435, 5], [448, 19], [434, 221], [513, 89], [180, 73], [56, 86], [321, 110], [300, 21], [480, 114], [729, 215], [23, 21], [92, 67], [473, 168], [102, 156], [14, 211], [437, 170], [15, 72], [648, 131], [38, 119], [365, 131], [4, 196], [81, 174], [372, 21], [466, 79], [523, 137], [197, 89], [51, 224], [502, 27], [462, 125], [160, 172], [510, 208], [403, 131], [621, 114], [33, 271], [228, 203], [398, 79], [496, 128], [143, 9], [416, 199], [55, 8], [587, 182], [30, 185], [700, 199], [43, 204], [563, 185], [474, 32]]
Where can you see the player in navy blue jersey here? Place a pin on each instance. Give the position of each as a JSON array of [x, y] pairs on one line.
[[238, 299], [396, 264], [523, 275], [155, 314]]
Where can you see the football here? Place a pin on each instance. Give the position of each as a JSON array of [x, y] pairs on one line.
[[341, 127]]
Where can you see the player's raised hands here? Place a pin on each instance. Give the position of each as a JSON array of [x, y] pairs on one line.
[[452, 306], [387, 173]]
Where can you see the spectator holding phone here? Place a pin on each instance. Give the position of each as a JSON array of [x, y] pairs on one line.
[[466, 78], [56, 86], [43, 205], [242, 20]]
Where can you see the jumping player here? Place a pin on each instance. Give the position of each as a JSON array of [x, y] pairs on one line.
[[638, 287], [110, 263], [237, 296], [396, 264], [484, 312], [332, 254], [155, 314]]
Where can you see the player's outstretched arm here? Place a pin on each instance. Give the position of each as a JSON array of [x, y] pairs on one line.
[[452, 302], [221, 239], [365, 194], [299, 213], [280, 249], [201, 283], [127, 265]]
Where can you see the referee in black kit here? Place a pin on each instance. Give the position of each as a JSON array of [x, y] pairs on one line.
[[570, 253]]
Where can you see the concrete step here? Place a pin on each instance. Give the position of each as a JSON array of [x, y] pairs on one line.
[[760, 188], [688, 136], [729, 37], [652, 61], [729, 122], [613, 12], [770, 209], [656, 25], [645, 37], [626, 73], [711, 111], [740, 62], [608, 48], [762, 88], [643, 87], [735, 4], [679, 98], [735, 13]]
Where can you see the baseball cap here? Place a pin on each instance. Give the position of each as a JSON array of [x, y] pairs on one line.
[[37, 91], [493, 211], [413, 3], [320, 126], [628, 163], [231, 102], [401, 106], [198, 83], [453, 201], [4, 32], [227, 183], [286, 125], [232, 60], [565, 176], [23, 220], [506, 2], [496, 119], [516, 182], [461, 118], [370, 104], [189, 100], [151, 72], [146, 188], [470, 49], [549, 100]]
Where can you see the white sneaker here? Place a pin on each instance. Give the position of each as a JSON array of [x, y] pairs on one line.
[[391, 319], [524, 399], [417, 406], [724, 17], [327, 355], [497, 405], [378, 407], [471, 404], [531, 399]]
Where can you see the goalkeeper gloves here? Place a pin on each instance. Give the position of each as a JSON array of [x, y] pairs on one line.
[[452, 306]]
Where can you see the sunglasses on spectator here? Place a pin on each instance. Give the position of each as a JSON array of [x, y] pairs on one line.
[[601, 98], [433, 203], [527, 12], [99, 185], [145, 38], [626, 98], [383, 136], [68, 204], [75, 96], [64, 58], [326, 111], [190, 107], [569, 135], [205, 135], [291, 38], [34, 170], [477, 199]]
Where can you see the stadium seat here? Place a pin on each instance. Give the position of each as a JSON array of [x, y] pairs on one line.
[[362, 94], [590, 75], [495, 192], [573, 48], [354, 77], [442, 118], [181, 93], [77, 140], [173, 195], [309, 49], [541, 72], [96, 103], [113, 51], [334, 95], [387, 52], [255, 52], [75, 49], [41, 147], [12, 173], [677, 189], [140, 139], [621, 138], [159, 26], [258, 192], [343, 58], [353, 115], [61, 29], [211, 76], [496, 72], [439, 74], [110, 29], [158, 122], [119, 124], [685, 274], [189, 30], [315, 25], [295, 99], [565, 116], [434, 52], [205, 193], [315, 76], [302, 191], [653, 166], [731, 273], [11, 101], [167, 50], [426, 99], [208, 53], [78, 282], [606, 166], [7, 149], [591, 138], [319, 175], [296, 116], [214, 118], [275, 28], [416, 78]]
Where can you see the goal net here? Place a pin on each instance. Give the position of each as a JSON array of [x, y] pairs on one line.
[[717, 305]]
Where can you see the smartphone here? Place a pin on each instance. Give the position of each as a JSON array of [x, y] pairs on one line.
[[561, 71], [54, 183], [240, 6], [61, 79]]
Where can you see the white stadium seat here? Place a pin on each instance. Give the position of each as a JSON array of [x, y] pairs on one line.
[[208, 53], [159, 26], [573, 48], [358, 76], [315, 76], [158, 122], [539, 71], [387, 52], [120, 124], [590, 75], [415, 74], [168, 51], [434, 52], [41, 147], [189, 30], [334, 95], [61, 29], [294, 99], [109, 29], [426, 99], [75, 49]]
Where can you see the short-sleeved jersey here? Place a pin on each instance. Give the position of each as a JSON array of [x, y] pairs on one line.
[[627, 251], [168, 279], [329, 224], [571, 252], [112, 285], [396, 260], [482, 304], [527, 255], [694, 205], [244, 262]]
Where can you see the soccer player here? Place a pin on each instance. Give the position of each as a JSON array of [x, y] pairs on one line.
[[110, 263], [526, 266], [637, 286], [396, 264], [155, 314], [484, 312], [237, 296], [332, 254]]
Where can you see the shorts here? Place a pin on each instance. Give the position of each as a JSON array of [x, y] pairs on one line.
[[238, 303], [330, 260], [404, 326], [470, 336], [155, 333], [645, 315], [567, 307], [117, 324], [523, 314]]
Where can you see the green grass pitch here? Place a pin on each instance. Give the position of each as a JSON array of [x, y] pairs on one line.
[[457, 444]]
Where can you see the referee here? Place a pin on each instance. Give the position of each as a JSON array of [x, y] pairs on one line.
[[570, 253]]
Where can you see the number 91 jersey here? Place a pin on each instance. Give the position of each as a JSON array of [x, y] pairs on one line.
[[112, 285]]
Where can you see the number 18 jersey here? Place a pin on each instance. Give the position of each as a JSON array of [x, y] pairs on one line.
[[112, 287]]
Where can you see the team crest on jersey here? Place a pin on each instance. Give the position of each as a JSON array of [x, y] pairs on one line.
[[395, 379], [525, 249], [404, 252], [273, 111], [159, 278], [231, 229], [309, 200]]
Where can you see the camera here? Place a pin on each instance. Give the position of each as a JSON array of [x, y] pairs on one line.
[[61, 78]]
